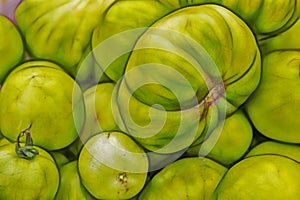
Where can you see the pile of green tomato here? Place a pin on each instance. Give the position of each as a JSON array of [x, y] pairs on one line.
[[150, 99]]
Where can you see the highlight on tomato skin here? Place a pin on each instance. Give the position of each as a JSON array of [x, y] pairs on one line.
[[29, 167], [32, 97], [115, 162]]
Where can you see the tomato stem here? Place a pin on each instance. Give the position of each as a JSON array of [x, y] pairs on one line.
[[27, 151]]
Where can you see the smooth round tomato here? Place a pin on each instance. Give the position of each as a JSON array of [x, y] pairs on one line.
[[261, 177], [112, 166], [27, 172], [40, 95], [70, 184]]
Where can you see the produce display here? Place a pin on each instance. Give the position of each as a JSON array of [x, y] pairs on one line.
[[149, 99]]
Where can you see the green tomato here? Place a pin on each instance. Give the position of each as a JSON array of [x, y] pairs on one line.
[[273, 147], [119, 20], [265, 17], [155, 129], [274, 106], [98, 106], [261, 177], [286, 40], [11, 47], [112, 166], [150, 11], [60, 30], [233, 140], [187, 178], [220, 37], [70, 184], [178, 75], [26, 178], [40, 95]]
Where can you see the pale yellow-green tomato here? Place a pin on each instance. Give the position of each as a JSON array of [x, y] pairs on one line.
[[266, 18], [112, 166], [40, 96], [70, 186], [274, 106], [98, 106], [60, 30], [187, 178], [261, 177], [274, 147], [183, 72], [11, 47], [228, 143], [122, 24], [26, 178], [288, 39]]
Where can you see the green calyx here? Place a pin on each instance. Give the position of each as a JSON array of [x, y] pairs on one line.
[[27, 151]]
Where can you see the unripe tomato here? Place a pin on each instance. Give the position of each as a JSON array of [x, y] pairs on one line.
[[40, 95], [11, 46], [112, 166], [27, 172]]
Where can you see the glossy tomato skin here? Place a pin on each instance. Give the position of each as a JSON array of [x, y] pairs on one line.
[[274, 107], [11, 46], [112, 166], [59, 30], [187, 178], [40, 95], [260, 177], [27, 179], [70, 184], [206, 69]]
